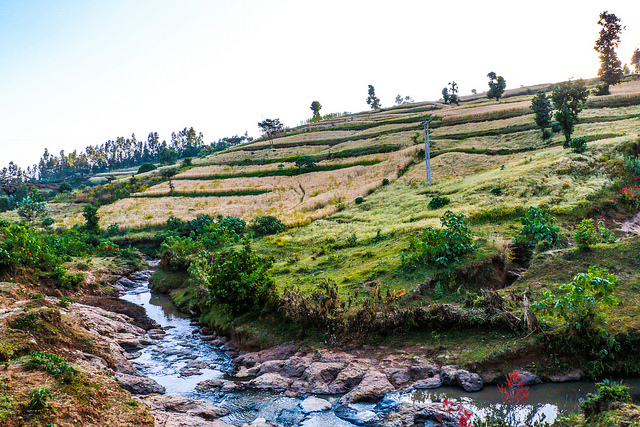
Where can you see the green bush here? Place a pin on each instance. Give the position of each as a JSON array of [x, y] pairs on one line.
[[546, 134], [146, 167], [47, 222], [65, 187], [438, 202], [266, 225], [556, 127], [237, 279], [537, 229], [385, 181], [441, 246], [496, 191], [359, 200], [307, 162], [577, 145], [608, 396], [39, 399], [236, 225], [585, 234]]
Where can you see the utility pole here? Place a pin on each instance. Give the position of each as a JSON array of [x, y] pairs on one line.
[[427, 155]]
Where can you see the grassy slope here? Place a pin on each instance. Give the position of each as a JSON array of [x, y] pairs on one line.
[[476, 147]]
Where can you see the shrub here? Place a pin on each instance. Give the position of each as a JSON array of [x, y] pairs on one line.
[[307, 162], [266, 225], [631, 196], [146, 167], [496, 191], [239, 279], [608, 396], [587, 234], [359, 200], [92, 220], [577, 145], [39, 398], [186, 162], [537, 228], [601, 89], [236, 225], [438, 202], [546, 134], [441, 246], [556, 127], [385, 181], [65, 187], [113, 230], [47, 222]]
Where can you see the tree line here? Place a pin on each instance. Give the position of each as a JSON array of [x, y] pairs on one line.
[[117, 154]]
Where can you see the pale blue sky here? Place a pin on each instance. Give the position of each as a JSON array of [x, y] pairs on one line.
[[76, 73]]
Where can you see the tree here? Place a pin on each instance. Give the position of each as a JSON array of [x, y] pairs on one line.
[[315, 107], [610, 67], [635, 60], [373, 100], [270, 128], [167, 156], [400, 100], [568, 98], [32, 206], [453, 96], [305, 162], [91, 218], [541, 106], [497, 84], [445, 95], [168, 174]]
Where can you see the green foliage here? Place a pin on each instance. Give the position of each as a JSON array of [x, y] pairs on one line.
[[315, 107], [445, 95], [65, 187], [635, 60], [372, 99], [497, 191], [601, 89], [438, 202], [537, 228], [167, 156], [568, 98], [441, 246], [587, 234], [608, 396], [359, 200], [266, 225], [270, 128], [53, 364], [497, 85], [541, 106], [39, 399], [385, 181], [577, 145], [186, 162], [146, 167], [235, 225], [307, 162], [239, 279], [47, 222], [610, 66], [453, 95], [91, 218], [580, 302], [32, 206]]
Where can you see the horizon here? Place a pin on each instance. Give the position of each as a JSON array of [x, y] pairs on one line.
[[79, 75]]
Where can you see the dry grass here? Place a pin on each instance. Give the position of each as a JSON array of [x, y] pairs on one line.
[[296, 200]]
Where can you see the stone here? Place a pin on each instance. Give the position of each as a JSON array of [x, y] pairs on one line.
[[179, 411], [449, 374], [529, 378], [428, 383], [319, 375], [209, 385], [469, 381], [271, 366], [294, 367], [271, 381], [314, 404], [372, 388], [352, 415], [139, 384], [422, 368], [398, 376]]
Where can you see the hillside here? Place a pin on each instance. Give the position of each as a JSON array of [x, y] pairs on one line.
[[488, 159]]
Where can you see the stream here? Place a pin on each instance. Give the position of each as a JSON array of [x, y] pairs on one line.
[[181, 359]]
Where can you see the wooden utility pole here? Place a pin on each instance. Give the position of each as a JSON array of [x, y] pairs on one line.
[[427, 155]]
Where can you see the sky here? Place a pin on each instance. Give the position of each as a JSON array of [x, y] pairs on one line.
[[77, 72]]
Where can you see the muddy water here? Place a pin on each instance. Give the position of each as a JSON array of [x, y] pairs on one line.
[[181, 359]]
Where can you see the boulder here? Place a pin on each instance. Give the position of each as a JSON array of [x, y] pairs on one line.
[[372, 388], [314, 404], [352, 415], [422, 368], [469, 381], [294, 367], [178, 411], [271, 366], [529, 378], [398, 376], [449, 374], [139, 384], [428, 383], [575, 375], [271, 381]]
